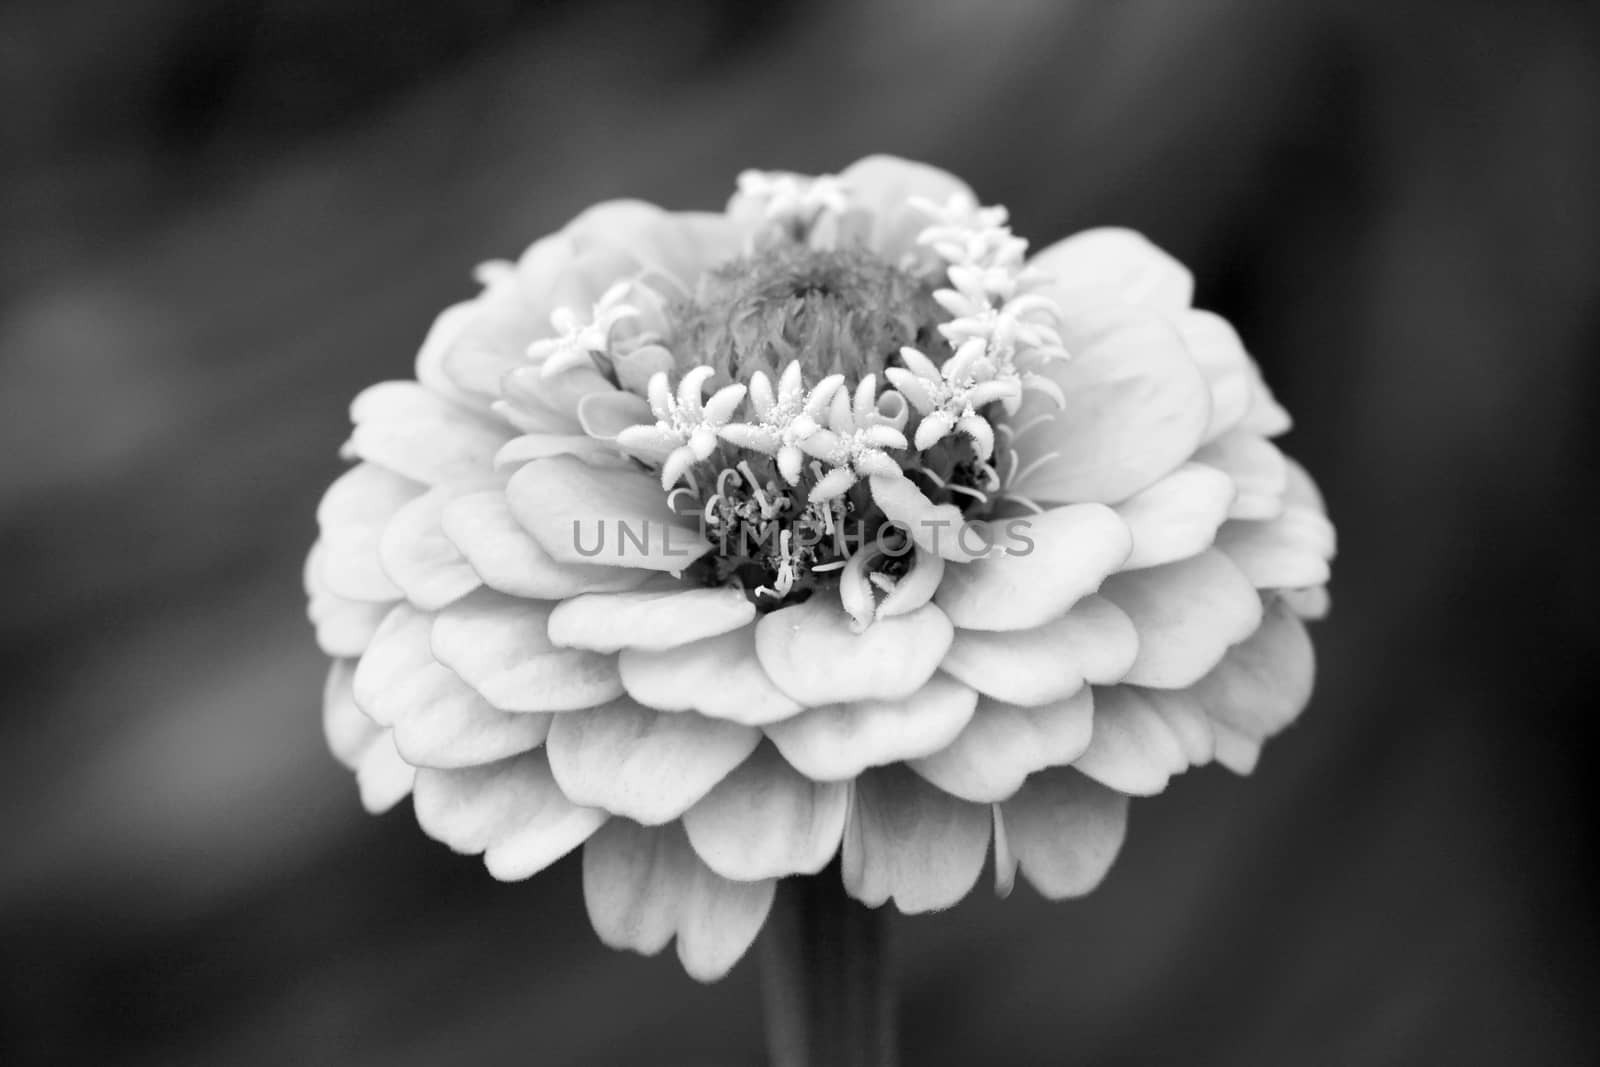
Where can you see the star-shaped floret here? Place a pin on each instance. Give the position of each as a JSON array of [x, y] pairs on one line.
[[949, 399], [577, 340], [686, 427], [856, 442], [1005, 329], [982, 255], [795, 200], [786, 420]]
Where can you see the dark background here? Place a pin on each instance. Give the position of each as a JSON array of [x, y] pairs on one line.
[[218, 220]]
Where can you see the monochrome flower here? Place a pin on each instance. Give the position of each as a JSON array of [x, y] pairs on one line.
[[834, 525]]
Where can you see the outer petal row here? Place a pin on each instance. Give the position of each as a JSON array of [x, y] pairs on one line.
[[643, 885]]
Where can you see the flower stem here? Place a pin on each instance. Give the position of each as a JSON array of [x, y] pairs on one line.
[[826, 979]]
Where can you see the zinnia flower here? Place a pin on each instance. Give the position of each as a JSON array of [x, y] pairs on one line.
[[834, 524]]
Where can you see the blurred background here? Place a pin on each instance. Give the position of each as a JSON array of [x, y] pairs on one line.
[[220, 218]]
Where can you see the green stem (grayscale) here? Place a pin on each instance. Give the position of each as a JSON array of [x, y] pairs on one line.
[[827, 985]]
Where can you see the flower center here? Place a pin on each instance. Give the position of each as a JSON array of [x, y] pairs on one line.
[[838, 311]]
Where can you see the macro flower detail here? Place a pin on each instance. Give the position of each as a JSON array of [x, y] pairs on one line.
[[836, 527]]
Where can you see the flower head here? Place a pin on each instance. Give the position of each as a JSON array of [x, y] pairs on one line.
[[834, 525]]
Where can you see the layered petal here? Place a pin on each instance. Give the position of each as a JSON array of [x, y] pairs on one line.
[[811, 652], [1057, 558], [911, 843], [1003, 743], [511, 811], [398, 652], [635, 880], [344, 627], [1136, 406], [1289, 552], [383, 778], [1178, 516], [767, 820], [1262, 685], [351, 518], [642, 885], [654, 618], [1228, 369], [582, 514], [839, 741], [1259, 472], [1134, 749], [420, 559], [1121, 260], [720, 921], [441, 721], [937, 529], [1064, 830], [1094, 642], [717, 676], [883, 187], [421, 435], [1187, 615], [347, 730], [507, 557], [501, 647], [632, 760]]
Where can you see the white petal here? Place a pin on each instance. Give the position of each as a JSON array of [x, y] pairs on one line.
[[642, 885], [1289, 552], [1235, 749], [1187, 719], [420, 559], [1005, 860], [1094, 642], [839, 741], [884, 186], [1262, 685], [442, 336], [1228, 369], [422, 435], [1050, 562], [1178, 516], [1187, 613], [351, 517], [648, 765], [382, 776], [581, 514], [766, 820], [935, 528], [1064, 831], [398, 652], [511, 811], [1133, 749], [1259, 472], [635, 879], [1136, 408], [1266, 416], [717, 676], [507, 557], [348, 731], [1312, 604], [344, 627], [720, 921], [1120, 259], [652, 618], [501, 647], [1004, 743], [532, 446], [909, 842], [441, 721], [812, 654], [604, 415]]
